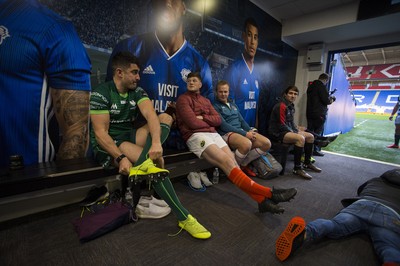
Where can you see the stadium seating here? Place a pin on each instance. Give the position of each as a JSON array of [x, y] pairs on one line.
[[373, 72]]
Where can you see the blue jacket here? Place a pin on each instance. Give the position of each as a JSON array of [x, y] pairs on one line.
[[232, 120]]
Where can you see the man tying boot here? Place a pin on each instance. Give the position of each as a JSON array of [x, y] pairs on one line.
[[114, 105]]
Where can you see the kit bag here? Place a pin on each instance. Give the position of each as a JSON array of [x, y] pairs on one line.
[[104, 220], [266, 166]]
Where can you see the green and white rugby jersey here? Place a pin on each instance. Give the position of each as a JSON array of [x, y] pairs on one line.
[[123, 108]]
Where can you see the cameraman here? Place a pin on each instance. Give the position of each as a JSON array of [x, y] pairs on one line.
[[318, 99]]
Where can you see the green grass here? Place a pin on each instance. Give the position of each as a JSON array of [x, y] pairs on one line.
[[368, 139]]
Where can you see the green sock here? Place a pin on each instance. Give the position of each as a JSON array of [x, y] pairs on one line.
[[166, 191], [164, 187], [164, 135], [136, 188]]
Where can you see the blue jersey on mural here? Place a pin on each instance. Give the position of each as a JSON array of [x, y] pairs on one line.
[[38, 50], [163, 76], [244, 89]]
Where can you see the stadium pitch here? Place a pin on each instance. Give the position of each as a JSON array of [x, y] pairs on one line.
[[368, 139]]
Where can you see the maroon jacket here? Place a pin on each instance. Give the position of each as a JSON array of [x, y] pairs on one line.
[[188, 106]]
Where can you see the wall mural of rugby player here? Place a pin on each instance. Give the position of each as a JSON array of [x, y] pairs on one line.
[[175, 37]]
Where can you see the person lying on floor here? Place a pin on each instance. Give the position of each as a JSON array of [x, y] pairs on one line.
[[375, 211], [283, 129], [197, 120], [116, 142], [246, 143]]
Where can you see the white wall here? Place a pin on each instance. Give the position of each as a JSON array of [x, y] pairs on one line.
[[304, 74], [329, 18]]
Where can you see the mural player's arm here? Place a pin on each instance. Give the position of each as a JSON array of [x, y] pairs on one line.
[[72, 112]]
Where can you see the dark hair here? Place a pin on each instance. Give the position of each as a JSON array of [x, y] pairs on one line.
[[249, 21], [194, 75], [291, 87], [324, 76], [221, 83], [123, 60]]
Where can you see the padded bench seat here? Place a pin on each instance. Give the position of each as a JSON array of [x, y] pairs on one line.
[[58, 173], [47, 175], [45, 186]]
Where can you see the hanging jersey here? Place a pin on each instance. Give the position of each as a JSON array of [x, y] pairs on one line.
[[38, 49], [244, 89], [163, 76]]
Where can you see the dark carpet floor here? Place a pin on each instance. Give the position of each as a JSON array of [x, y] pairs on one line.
[[240, 235]]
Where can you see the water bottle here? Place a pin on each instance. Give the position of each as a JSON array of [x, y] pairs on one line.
[[215, 178]]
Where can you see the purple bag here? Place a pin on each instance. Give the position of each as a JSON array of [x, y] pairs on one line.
[[103, 221]]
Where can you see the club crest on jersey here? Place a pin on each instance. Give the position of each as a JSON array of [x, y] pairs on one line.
[[3, 34], [202, 143], [184, 73]]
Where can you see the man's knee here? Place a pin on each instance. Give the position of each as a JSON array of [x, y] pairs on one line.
[[300, 140], [309, 138], [165, 119], [265, 142], [244, 146]]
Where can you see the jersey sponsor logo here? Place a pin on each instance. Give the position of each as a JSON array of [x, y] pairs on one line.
[[114, 106], [149, 70], [96, 94], [168, 90], [160, 105], [245, 82], [252, 95], [96, 105], [250, 105], [3, 34], [184, 73]]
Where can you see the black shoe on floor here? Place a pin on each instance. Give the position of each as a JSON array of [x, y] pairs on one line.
[[302, 173], [312, 167], [282, 195], [321, 143], [268, 205], [318, 153], [95, 194]]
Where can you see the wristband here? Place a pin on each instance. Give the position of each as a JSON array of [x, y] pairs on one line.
[[119, 158]]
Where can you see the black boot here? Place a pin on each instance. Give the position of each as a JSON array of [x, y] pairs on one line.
[[308, 150], [282, 195], [268, 205]]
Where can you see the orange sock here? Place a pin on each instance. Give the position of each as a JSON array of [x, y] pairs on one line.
[[245, 183]]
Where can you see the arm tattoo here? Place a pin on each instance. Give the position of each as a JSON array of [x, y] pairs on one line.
[[72, 112]]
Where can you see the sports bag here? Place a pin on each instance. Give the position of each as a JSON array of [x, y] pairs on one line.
[[266, 166], [104, 220]]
